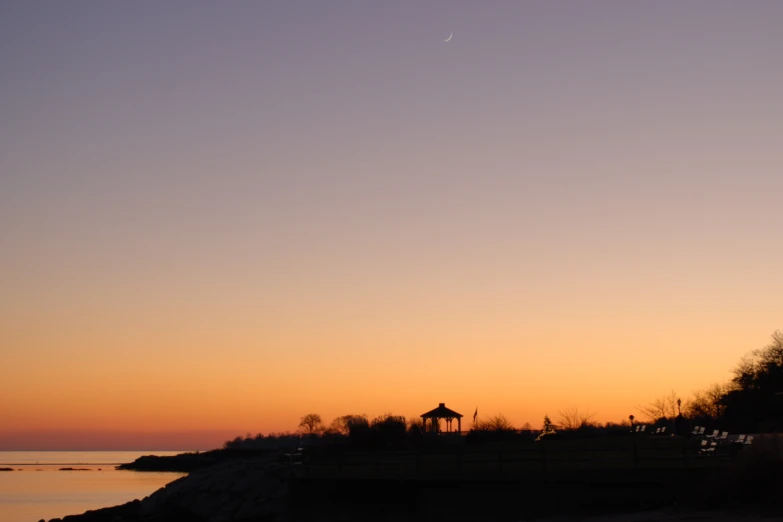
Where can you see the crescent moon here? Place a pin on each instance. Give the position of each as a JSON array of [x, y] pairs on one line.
[[449, 38]]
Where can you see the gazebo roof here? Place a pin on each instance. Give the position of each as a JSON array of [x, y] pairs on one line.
[[441, 412]]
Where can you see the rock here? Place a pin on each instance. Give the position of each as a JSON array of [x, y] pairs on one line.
[[204, 507], [248, 510], [240, 485], [226, 513], [239, 490]]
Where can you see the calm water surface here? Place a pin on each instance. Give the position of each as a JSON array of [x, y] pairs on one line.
[[40, 490]]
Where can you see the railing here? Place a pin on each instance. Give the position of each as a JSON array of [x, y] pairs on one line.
[[491, 463]]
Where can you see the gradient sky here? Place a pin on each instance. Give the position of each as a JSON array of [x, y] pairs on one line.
[[217, 217]]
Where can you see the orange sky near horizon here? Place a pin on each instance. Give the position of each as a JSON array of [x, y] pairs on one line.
[[219, 219], [149, 395]]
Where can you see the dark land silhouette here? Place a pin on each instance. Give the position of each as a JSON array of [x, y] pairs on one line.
[[719, 450]]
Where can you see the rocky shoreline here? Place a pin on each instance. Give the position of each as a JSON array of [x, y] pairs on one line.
[[246, 487], [262, 489], [238, 490]]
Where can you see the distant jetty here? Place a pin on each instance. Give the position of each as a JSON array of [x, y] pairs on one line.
[[189, 462]]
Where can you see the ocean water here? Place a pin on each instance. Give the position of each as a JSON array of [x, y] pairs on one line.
[[37, 489]]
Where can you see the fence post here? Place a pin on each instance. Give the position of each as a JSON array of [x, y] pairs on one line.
[[635, 455], [340, 457]]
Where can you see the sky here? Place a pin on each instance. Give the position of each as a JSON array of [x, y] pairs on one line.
[[216, 218]]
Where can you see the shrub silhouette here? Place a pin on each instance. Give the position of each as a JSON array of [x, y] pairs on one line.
[[260, 442], [342, 425], [496, 423], [389, 431], [416, 430], [496, 427], [547, 429]]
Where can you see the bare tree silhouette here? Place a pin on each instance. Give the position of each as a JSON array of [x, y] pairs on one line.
[[573, 419], [707, 403], [497, 422], [311, 423], [661, 408]]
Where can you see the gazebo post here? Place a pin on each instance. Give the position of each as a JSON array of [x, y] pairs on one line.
[[459, 425]]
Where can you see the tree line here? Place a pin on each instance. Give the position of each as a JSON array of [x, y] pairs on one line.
[[751, 402]]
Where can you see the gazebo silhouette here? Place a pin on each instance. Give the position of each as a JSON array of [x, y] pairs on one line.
[[441, 412]]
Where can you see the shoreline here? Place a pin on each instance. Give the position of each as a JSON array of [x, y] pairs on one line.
[[261, 487], [192, 461]]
